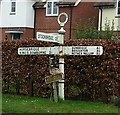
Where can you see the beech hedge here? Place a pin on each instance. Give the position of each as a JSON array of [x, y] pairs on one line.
[[95, 78]]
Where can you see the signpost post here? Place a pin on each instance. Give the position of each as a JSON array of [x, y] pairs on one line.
[[57, 74], [61, 59], [53, 79]]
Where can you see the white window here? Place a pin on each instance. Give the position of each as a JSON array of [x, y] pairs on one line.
[[52, 8], [13, 6], [118, 7], [16, 36]]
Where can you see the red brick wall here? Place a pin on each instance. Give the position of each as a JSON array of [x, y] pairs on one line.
[[45, 23], [80, 15], [48, 23], [27, 33], [0, 35], [83, 13]]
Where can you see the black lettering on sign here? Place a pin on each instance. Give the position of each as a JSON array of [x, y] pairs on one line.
[[79, 50], [48, 37]]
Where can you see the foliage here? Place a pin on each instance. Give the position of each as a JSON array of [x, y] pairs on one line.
[[89, 30], [74, 91], [97, 77], [24, 105]]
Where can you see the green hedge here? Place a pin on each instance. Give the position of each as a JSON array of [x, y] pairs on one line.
[[94, 78]]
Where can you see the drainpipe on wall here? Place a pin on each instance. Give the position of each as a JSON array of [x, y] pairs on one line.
[[34, 32], [101, 18], [70, 21]]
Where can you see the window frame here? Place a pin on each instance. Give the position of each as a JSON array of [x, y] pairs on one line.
[[118, 8], [13, 7], [52, 8], [13, 35]]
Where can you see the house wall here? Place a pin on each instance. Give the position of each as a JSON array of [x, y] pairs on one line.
[[0, 14], [27, 33], [84, 14], [109, 15], [77, 16], [24, 16], [0, 35]]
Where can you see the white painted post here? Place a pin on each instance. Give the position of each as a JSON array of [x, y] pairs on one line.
[[54, 84], [61, 82], [55, 95], [61, 59]]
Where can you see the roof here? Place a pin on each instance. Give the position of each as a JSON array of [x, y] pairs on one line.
[[66, 3], [75, 2], [41, 4], [107, 3], [69, 0]]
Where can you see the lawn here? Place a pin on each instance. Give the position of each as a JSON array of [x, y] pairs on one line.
[[25, 104]]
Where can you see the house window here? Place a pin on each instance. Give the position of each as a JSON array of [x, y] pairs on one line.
[[16, 36], [13, 6], [118, 7], [51, 8]]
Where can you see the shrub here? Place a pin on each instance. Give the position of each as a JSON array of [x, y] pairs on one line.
[[89, 30], [97, 77]]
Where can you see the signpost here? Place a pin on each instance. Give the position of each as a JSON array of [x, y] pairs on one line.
[[55, 71], [83, 50], [58, 74], [37, 50], [66, 50], [33, 50], [53, 78], [49, 37]]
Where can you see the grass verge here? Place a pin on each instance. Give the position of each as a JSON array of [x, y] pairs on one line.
[[25, 104]]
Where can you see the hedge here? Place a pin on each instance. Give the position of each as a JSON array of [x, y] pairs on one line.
[[95, 78]]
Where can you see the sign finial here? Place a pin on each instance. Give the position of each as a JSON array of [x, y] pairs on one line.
[[62, 23]]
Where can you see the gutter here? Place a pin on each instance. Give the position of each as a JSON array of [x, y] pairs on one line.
[[105, 5], [71, 9], [101, 18], [34, 32], [65, 4]]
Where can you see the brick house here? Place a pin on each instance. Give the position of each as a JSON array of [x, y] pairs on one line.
[[16, 19], [109, 12], [23, 18], [79, 12]]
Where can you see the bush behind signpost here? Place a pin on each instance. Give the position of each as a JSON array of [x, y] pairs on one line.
[[89, 30], [93, 78]]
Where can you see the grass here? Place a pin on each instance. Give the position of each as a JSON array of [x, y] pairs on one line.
[[0, 102], [25, 104]]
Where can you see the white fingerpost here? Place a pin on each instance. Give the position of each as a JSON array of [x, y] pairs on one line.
[[61, 82], [61, 59], [58, 74], [55, 96]]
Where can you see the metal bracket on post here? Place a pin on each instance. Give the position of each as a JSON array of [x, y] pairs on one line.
[[61, 59]]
